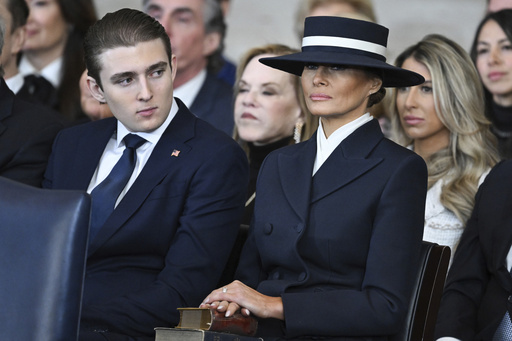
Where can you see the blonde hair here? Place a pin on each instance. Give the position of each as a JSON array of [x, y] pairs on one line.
[[459, 104], [310, 122]]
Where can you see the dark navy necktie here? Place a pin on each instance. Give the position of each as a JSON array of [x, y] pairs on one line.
[[104, 196]]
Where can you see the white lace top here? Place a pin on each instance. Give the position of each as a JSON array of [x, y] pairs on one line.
[[441, 225]]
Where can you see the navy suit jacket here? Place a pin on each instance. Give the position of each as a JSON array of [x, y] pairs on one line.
[[167, 242], [214, 104], [340, 248], [26, 136], [478, 286]]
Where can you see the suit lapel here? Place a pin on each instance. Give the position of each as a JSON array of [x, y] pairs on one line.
[[91, 150], [295, 172], [348, 161], [159, 164]]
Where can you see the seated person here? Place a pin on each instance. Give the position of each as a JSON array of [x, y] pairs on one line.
[[443, 120], [476, 301], [27, 132], [167, 188], [335, 238]]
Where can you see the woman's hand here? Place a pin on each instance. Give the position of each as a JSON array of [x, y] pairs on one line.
[[238, 296]]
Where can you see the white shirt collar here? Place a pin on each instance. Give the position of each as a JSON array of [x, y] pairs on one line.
[[188, 91], [325, 146], [51, 72], [154, 136], [15, 82]]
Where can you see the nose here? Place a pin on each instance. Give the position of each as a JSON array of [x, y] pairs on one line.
[[494, 56], [319, 78], [145, 94], [249, 98], [410, 100]]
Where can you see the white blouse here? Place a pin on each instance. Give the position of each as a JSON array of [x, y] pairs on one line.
[[441, 225]]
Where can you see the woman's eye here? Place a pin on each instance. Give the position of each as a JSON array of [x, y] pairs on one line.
[[337, 67], [426, 89]]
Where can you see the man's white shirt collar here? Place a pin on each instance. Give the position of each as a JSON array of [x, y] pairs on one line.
[[154, 136], [188, 91]]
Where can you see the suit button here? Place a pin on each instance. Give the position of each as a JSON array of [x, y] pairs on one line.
[[510, 299], [302, 276], [268, 228], [299, 227], [275, 275]]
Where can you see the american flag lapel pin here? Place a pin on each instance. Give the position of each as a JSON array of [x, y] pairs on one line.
[[175, 153]]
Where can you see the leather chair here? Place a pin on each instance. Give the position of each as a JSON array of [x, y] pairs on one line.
[[43, 243], [421, 318]]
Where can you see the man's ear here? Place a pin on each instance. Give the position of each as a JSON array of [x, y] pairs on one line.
[[211, 43], [96, 90]]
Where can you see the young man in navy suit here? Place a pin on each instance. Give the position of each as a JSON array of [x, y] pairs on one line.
[[168, 238]]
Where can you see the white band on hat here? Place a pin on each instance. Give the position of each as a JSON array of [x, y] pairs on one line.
[[344, 42]]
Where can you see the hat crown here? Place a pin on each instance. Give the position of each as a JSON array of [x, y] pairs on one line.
[[346, 28]]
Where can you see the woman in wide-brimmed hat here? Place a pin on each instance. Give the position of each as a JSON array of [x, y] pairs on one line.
[[338, 219]]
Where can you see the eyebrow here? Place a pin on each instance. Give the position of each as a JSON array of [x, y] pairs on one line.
[[131, 74], [181, 10], [501, 41]]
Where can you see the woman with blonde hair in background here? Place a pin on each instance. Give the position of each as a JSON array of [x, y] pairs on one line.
[[443, 121], [270, 111]]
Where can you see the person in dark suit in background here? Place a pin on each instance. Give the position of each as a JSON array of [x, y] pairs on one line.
[[197, 29], [155, 246], [336, 232], [27, 132], [14, 14], [476, 303]]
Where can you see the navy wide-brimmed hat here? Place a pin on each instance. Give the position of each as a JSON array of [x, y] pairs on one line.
[[347, 42]]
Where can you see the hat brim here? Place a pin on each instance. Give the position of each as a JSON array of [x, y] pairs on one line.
[[392, 76]]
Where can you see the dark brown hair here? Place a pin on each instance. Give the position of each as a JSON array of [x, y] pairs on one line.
[[125, 27]]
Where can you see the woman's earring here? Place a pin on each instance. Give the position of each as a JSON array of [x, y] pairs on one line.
[[297, 131]]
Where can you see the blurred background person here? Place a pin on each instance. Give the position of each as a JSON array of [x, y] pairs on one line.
[[492, 54], [443, 121], [498, 5], [270, 111], [228, 71], [197, 29], [14, 14], [356, 9], [27, 132], [53, 49]]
